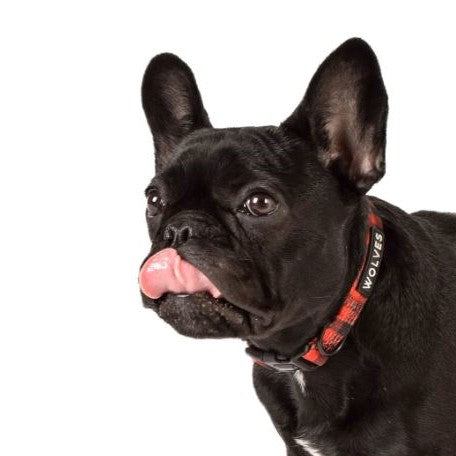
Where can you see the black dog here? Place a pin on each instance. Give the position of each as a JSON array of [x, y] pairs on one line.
[[266, 234]]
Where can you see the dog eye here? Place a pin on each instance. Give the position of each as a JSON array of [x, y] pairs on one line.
[[259, 204], [155, 203]]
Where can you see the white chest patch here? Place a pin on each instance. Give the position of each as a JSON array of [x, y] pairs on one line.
[[308, 447], [300, 380]]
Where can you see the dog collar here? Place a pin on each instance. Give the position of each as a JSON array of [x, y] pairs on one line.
[[334, 334]]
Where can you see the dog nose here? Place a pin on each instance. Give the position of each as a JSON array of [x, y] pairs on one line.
[[176, 235]]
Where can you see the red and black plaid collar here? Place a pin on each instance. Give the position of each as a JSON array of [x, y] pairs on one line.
[[331, 339]]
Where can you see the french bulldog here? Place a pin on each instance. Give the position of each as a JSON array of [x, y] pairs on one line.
[[346, 302]]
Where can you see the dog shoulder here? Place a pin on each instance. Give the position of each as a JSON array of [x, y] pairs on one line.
[[443, 222]]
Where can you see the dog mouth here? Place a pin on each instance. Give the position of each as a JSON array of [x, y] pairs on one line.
[[201, 315], [187, 299]]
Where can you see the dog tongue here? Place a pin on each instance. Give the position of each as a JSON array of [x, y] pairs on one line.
[[167, 272]]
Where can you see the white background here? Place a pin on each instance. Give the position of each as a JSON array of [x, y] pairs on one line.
[[84, 369]]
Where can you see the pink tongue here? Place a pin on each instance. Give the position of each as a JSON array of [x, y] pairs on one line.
[[167, 272]]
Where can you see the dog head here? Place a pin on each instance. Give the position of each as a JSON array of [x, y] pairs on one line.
[[251, 227]]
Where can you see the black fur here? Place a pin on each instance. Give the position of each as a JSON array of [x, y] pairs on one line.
[[391, 391]]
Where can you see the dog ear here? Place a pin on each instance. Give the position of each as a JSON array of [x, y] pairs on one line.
[[344, 113], [172, 104]]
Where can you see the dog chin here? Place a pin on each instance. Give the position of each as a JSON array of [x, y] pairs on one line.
[[200, 315]]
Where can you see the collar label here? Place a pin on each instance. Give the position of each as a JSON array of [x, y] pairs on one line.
[[370, 272]]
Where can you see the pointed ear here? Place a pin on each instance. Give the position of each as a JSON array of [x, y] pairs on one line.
[[172, 104], [344, 114]]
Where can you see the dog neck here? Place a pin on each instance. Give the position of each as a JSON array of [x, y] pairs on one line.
[[333, 335]]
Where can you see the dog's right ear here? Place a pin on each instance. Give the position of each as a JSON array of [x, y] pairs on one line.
[[172, 104]]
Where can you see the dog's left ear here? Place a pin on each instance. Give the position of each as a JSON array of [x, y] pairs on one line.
[[343, 114], [172, 104]]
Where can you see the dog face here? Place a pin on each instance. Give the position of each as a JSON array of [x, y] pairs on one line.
[[255, 221]]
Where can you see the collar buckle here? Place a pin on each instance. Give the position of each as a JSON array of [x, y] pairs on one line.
[[279, 363]]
